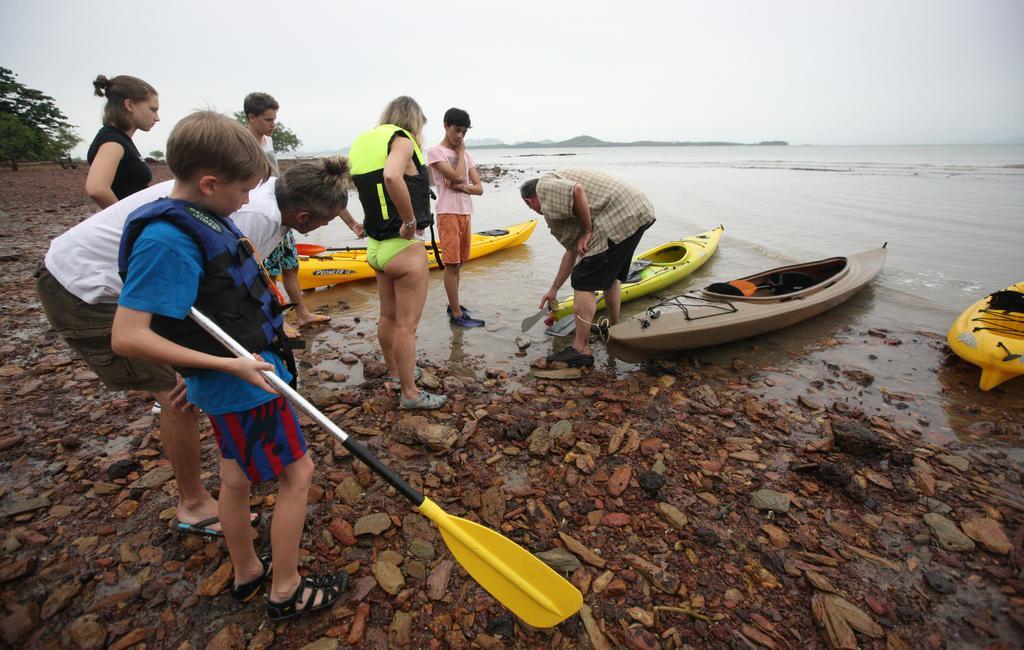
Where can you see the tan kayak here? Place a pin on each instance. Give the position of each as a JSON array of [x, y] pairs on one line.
[[730, 311]]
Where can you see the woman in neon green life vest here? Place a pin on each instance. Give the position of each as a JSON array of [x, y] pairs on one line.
[[390, 173]]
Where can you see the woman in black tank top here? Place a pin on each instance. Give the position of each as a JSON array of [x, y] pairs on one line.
[[116, 169]]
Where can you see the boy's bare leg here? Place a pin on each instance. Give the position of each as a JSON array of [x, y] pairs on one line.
[[234, 520], [286, 528], [451, 287]]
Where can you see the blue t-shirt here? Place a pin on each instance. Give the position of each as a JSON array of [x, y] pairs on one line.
[[164, 272]]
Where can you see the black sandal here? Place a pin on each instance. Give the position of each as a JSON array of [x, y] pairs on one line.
[[245, 592], [330, 585]]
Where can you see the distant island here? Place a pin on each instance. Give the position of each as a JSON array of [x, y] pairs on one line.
[[590, 141]]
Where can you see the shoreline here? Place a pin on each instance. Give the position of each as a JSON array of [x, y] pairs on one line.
[[703, 500]]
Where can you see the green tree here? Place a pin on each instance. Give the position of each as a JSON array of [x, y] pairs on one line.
[[17, 141], [50, 135], [156, 154], [284, 138]]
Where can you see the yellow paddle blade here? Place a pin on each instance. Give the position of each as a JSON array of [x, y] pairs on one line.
[[521, 582]]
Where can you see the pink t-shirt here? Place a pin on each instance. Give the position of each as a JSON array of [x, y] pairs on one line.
[[448, 200]]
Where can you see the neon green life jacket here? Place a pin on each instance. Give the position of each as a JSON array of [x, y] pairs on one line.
[[367, 158]]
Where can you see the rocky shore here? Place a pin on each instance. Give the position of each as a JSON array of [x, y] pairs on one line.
[[691, 507]]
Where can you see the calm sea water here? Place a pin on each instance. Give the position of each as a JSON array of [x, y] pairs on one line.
[[953, 217]]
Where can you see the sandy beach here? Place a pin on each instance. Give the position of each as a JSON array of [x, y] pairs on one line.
[[696, 501]]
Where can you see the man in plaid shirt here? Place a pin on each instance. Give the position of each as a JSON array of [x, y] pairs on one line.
[[599, 220]]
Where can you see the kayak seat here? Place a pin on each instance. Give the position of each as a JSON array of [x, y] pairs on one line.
[[725, 288], [790, 282], [493, 233]]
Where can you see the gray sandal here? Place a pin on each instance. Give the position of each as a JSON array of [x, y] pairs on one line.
[[425, 401], [395, 383]]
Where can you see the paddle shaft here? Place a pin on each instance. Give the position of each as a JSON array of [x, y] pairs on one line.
[[281, 386]]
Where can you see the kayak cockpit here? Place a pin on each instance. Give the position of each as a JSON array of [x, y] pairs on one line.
[[784, 283]]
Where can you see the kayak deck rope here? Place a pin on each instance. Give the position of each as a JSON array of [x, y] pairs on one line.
[[718, 308], [1000, 322]]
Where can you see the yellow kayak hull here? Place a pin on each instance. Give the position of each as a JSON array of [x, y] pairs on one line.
[[999, 354], [335, 267], [670, 263]]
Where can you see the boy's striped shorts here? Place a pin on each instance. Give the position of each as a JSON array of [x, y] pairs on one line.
[[263, 440]]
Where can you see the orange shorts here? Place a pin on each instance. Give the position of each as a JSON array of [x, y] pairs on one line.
[[453, 231]]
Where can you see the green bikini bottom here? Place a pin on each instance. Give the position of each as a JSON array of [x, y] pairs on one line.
[[380, 252]]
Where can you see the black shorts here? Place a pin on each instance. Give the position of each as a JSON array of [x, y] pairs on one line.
[[598, 272]]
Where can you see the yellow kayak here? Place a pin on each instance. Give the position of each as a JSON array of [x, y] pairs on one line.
[[662, 266], [334, 267], [990, 334]]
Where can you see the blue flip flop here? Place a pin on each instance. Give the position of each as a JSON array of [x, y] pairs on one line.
[[202, 527]]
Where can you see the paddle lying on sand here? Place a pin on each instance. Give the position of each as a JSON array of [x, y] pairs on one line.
[[313, 249], [532, 590]]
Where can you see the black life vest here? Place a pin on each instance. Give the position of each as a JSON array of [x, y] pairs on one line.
[[234, 291]]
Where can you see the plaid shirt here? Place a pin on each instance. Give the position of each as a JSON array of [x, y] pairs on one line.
[[617, 210]]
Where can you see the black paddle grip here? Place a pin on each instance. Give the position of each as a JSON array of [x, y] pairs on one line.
[[360, 451]]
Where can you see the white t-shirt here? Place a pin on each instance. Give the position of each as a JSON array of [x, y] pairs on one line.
[[84, 259]]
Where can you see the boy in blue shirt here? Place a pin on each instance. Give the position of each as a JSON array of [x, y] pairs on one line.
[[184, 251]]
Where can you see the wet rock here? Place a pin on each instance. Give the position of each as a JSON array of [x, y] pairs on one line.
[[88, 633], [373, 524], [492, 506], [939, 582], [765, 499], [12, 570], [133, 638], [557, 373], [597, 638], [581, 550], [59, 598], [373, 369], [651, 483], [989, 534], [388, 576], [523, 342], [839, 618], [400, 631], [217, 581], [862, 377], [437, 582], [657, 576], [229, 637], [637, 638], [123, 468], [672, 515], [19, 506], [705, 395], [22, 620], [540, 442], [854, 438], [619, 480], [342, 531], [958, 462], [322, 644], [422, 549], [947, 534], [560, 559]]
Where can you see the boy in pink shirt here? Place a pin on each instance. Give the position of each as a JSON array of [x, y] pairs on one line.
[[454, 173]]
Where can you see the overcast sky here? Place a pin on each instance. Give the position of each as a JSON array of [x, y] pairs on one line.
[[810, 72]]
